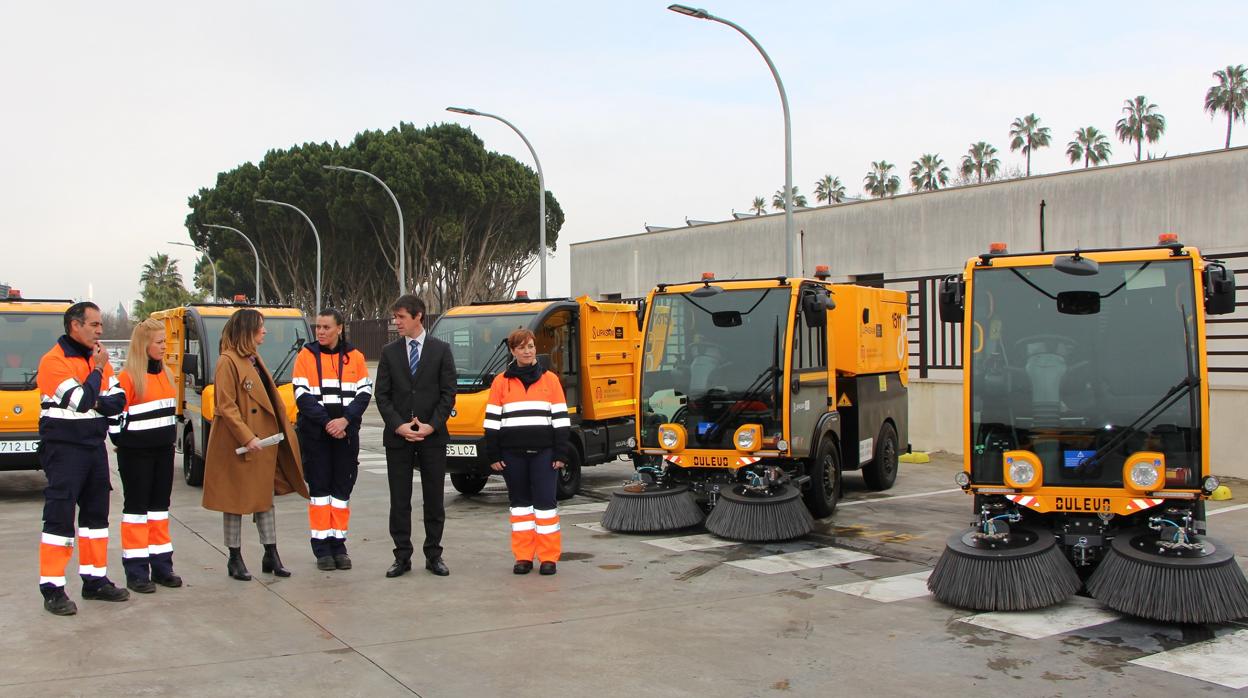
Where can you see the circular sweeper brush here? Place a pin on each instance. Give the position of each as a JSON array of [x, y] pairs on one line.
[[1012, 569], [641, 507], [760, 514], [1166, 576]]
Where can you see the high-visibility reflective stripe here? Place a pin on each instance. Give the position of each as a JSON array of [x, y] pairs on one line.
[[61, 541], [561, 423], [337, 533], [157, 516], [93, 533], [321, 534], [54, 581], [546, 513], [60, 413], [131, 553], [527, 405], [523, 525], [160, 548], [331, 400], [145, 407], [299, 380], [544, 530], [493, 409], [521, 511], [526, 422], [154, 423], [319, 501], [558, 407], [92, 570], [330, 383], [364, 390], [338, 503], [66, 385], [492, 424]]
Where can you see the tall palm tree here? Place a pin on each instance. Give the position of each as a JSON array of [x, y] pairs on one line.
[[1028, 135], [928, 173], [759, 207], [829, 189], [880, 181], [1142, 123], [981, 161], [777, 199], [1090, 145], [160, 272], [1229, 95]]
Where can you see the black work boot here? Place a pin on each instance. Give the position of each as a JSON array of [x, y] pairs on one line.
[[56, 602], [236, 568], [325, 563], [142, 586], [272, 562], [342, 561], [105, 591]]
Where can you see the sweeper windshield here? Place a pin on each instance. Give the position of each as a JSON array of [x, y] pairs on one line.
[[713, 363], [1085, 370], [479, 345]]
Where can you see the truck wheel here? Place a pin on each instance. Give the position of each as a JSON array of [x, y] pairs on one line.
[[192, 465], [825, 480], [468, 483], [570, 477], [881, 473]]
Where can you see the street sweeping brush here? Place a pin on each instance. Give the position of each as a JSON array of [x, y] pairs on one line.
[[1166, 572], [760, 512], [649, 504], [998, 567]]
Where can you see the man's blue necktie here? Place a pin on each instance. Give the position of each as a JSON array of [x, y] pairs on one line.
[[413, 356]]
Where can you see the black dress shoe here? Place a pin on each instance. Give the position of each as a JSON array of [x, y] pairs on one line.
[[437, 567], [272, 562], [173, 581], [522, 567], [142, 586], [399, 568], [105, 592], [342, 561], [236, 568], [58, 603], [325, 563], [547, 568]]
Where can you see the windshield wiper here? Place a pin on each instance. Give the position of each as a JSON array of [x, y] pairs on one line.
[[290, 355], [490, 365]]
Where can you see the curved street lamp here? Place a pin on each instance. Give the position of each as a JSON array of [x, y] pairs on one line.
[[211, 263], [541, 185], [790, 238], [318, 244], [395, 199], [259, 288]]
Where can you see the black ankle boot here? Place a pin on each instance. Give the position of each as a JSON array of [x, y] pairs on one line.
[[236, 568], [273, 563]]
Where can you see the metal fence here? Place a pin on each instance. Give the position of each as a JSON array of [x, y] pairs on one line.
[[369, 336]]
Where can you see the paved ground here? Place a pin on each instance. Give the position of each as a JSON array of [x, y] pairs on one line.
[[841, 611]]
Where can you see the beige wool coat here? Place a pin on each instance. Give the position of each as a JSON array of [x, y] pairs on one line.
[[244, 409]]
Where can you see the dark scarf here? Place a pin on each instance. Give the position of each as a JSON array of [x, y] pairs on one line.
[[153, 366], [528, 375]]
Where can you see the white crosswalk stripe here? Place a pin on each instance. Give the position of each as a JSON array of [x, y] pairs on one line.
[[587, 508], [685, 544], [1220, 660], [801, 560], [596, 528], [888, 589], [1073, 614]]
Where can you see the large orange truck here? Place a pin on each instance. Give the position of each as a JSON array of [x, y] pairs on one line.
[[591, 346], [193, 337], [28, 329]]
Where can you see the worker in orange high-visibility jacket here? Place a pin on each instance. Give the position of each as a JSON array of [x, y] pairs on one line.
[[78, 393], [332, 390], [144, 435], [526, 438]]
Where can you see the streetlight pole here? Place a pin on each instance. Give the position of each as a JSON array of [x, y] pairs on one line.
[[259, 288], [790, 238], [211, 263], [398, 209], [541, 185], [318, 244]]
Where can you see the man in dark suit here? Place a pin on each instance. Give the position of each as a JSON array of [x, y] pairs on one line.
[[415, 393]]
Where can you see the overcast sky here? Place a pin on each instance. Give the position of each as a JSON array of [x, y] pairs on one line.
[[112, 114]]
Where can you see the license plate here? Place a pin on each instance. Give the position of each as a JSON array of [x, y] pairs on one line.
[[19, 446], [461, 450]]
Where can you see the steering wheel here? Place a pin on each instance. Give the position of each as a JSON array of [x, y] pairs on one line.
[[1048, 339]]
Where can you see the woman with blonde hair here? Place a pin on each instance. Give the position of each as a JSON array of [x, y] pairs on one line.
[[144, 435], [248, 409]]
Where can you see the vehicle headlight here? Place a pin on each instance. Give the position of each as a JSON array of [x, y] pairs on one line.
[[748, 437], [1144, 475], [1022, 469], [962, 479], [1210, 484], [1022, 472], [672, 436]]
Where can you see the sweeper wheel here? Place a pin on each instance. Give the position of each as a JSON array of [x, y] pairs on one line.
[[1025, 571], [650, 510], [1192, 587], [774, 514]]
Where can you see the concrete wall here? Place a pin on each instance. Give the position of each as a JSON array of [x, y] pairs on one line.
[[1202, 197]]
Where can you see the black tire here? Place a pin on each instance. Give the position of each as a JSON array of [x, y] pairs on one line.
[[468, 484], [825, 480], [881, 472], [192, 465], [569, 482]]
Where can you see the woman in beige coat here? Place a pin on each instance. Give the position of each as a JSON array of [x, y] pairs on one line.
[[248, 408]]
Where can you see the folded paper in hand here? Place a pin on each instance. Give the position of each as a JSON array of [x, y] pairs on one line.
[[264, 443]]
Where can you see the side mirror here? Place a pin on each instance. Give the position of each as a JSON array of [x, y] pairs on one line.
[[641, 313], [815, 307], [190, 365], [1219, 289], [952, 298]]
